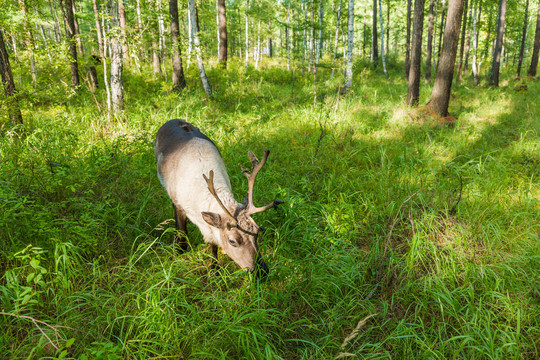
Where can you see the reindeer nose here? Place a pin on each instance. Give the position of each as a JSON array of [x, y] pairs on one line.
[[261, 269]]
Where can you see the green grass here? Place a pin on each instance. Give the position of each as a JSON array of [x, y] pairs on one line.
[[370, 224]]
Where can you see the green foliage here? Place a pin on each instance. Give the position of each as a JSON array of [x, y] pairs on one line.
[[434, 229]]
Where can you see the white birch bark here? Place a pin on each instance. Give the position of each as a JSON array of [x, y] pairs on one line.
[[190, 43], [338, 20], [247, 34], [258, 49], [320, 43], [197, 48], [382, 39], [475, 44], [350, 42], [287, 36], [117, 89], [304, 44]]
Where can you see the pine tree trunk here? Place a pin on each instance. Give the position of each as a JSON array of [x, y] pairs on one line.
[[416, 54], [523, 37], [495, 66], [350, 44], [430, 40], [338, 20], [178, 80], [222, 15], [197, 47], [468, 40], [441, 30], [462, 38], [534, 59], [374, 44], [9, 85], [77, 32], [408, 40], [440, 95], [72, 43]]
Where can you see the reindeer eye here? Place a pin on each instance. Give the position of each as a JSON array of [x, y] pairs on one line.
[[232, 242]]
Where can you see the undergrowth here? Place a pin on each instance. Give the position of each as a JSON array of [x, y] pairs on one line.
[[399, 237]]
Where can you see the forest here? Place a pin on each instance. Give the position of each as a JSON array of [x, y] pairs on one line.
[[404, 146]]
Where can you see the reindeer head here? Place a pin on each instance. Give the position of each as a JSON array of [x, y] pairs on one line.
[[238, 233]]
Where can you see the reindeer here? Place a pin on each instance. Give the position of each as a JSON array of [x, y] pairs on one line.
[[184, 157]]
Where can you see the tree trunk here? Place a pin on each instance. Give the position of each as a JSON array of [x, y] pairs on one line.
[[468, 40], [57, 33], [304, 41], [382, 39], [287, 35], [416, 54], [28, 40], [312, 35], [350, 44], [374, 45], [462, 46], [408, 40], [77, 32], [258, 48], [338, 20], [123, 33], [430, 40], [388, 27], [441, 28], [197, 47], [9, 85], [534, 60], [98, 31], [495, 66], [475, 42], [222, 15], [117, 89], [178, 80], [72, 43], [440, 96], [320, 43], [247, 34], [523, 37]]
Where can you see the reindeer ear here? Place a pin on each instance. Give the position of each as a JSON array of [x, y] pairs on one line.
[[213, 219]]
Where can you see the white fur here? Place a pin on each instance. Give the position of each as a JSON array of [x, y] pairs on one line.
[[181, 173]]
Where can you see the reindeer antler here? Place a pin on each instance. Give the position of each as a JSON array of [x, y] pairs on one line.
[[210, 183], [251, 208]]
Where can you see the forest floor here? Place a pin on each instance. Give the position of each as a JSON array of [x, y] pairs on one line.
[[400, 238]]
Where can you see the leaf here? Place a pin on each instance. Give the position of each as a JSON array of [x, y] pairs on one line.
[[30, 277], [70, 342]]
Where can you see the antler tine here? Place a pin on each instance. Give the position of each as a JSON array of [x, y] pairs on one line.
[[251, 209], [210, 183]]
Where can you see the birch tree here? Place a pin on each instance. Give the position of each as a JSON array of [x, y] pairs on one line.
[[117, 88], [178, 80], [476, 15], [197, 47], [350, 43], [338, 22], [382, 40]]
